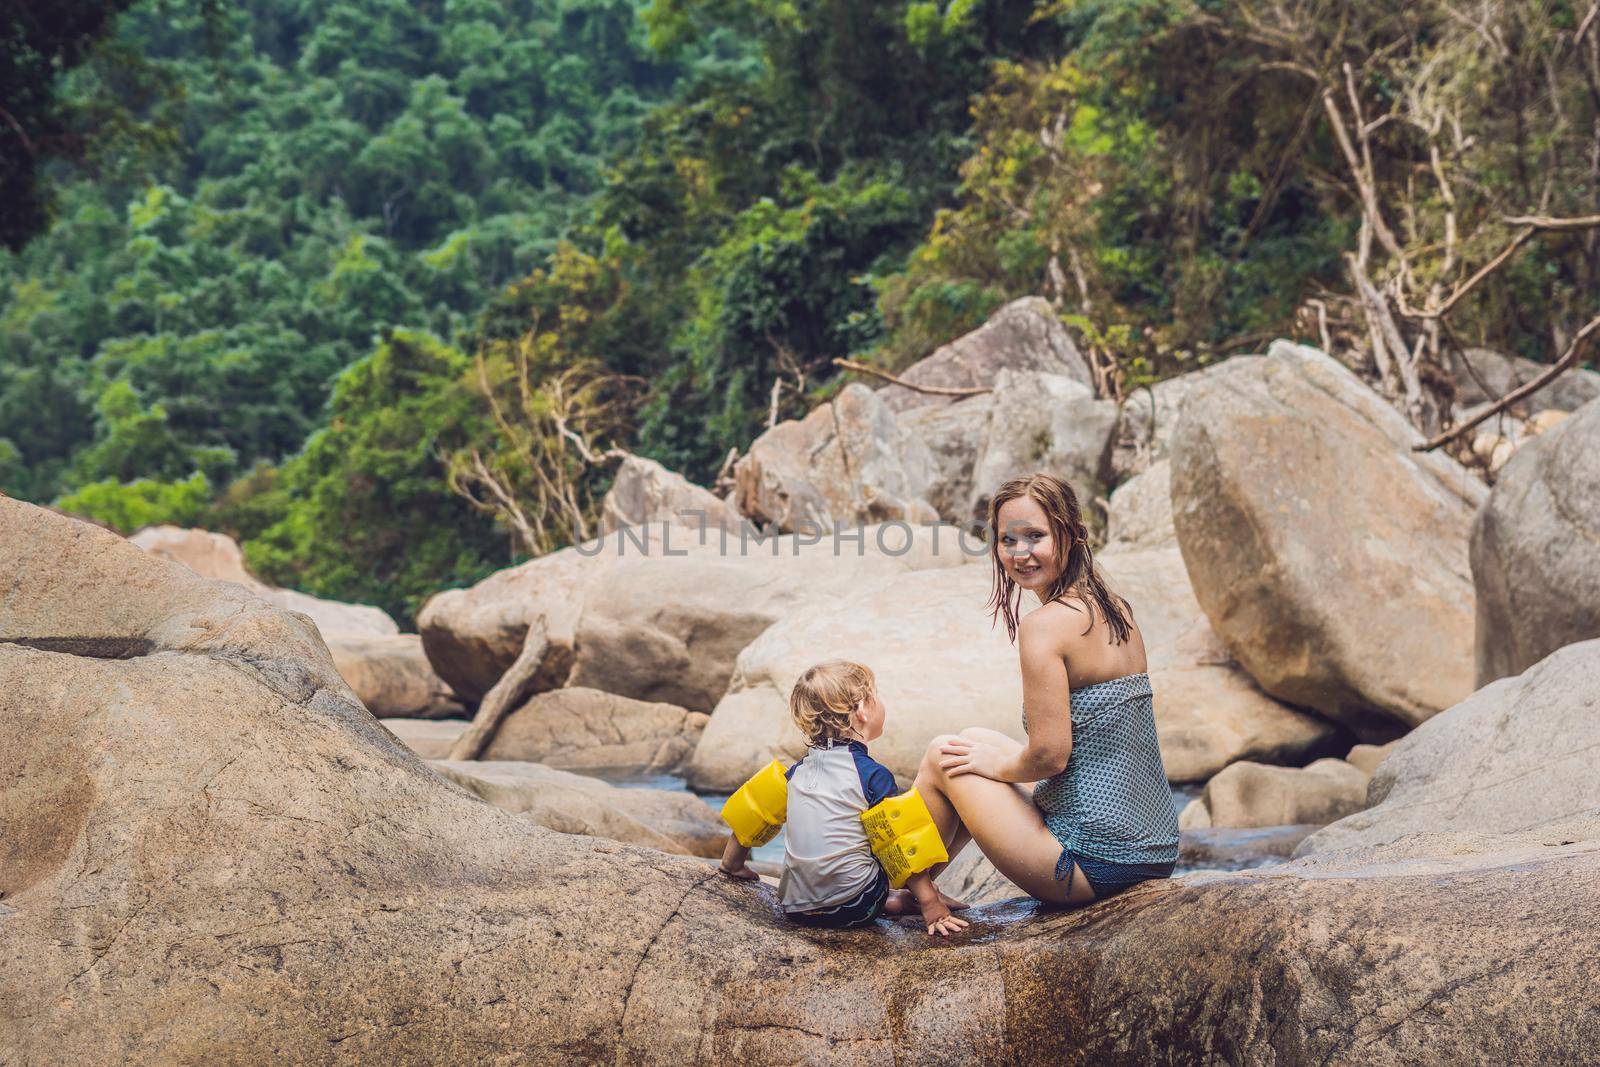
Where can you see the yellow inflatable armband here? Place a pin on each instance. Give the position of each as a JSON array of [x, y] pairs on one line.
[[903, 836], [758, 809]]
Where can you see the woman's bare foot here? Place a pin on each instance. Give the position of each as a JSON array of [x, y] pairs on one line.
[[900, 902]]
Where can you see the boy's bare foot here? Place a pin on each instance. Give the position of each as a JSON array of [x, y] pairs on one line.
[[952, 903]]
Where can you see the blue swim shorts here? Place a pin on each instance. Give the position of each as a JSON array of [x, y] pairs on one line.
[[859, 910], [1107, 879]]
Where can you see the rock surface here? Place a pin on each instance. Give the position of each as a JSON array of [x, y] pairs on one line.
[[1044, 422], [1330, 557], [953, 435], [941, 666], [645, 492], [1140, 515], [669, 629], [1501, 374], [845, 462], [1254, 794], [576, 804], [1147, 419], [1536, 550], [428, 738], [1367, 757], [472, 636], [392, 676], [1519, 753], [1209, 712], [1025, 335], [215, 555], [586, 729], [283, 881]]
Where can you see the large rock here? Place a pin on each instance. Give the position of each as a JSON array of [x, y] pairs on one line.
[[1367, 757], [1209, 712], [669, 629], [392, 676], [953, 435], [1502, 374], [941, 666], [845, 462], [1044, 422], [211, 852], [644, 492], [1025, 335], [1330, 557], [428, 738], [1518, 753], [1536, 550], [1254, 794], [586, 729], [576, 804], [215, 555], [472, 636], [1146, 421], [1140, 515]]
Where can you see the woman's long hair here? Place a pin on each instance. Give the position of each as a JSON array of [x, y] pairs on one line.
[[1079, 576]]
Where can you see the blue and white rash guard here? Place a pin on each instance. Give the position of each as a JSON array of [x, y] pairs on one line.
[[827, 858]]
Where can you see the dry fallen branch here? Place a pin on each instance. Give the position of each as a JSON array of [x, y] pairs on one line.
[[1568, 360], [1545, 222], [936, 390]]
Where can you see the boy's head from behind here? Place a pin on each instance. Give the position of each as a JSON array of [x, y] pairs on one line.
[[835, 701]]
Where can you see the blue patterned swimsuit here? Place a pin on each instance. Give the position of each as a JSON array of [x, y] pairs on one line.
[[1111, 807]]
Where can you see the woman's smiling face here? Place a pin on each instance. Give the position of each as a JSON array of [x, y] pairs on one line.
[[1027, 548]]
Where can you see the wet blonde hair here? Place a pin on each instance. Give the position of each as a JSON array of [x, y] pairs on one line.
[[826, 696]]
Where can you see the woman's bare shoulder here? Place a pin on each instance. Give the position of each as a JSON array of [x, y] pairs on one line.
[[1075, 622], [1056, 622]]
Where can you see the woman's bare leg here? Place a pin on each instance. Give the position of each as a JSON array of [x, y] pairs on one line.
[[1004, 822], [952, 831]]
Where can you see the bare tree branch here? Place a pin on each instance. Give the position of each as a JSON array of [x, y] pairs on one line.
[[1568, 360], [1544, 222], [936, 390]]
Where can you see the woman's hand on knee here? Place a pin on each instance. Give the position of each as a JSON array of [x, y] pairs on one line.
[[960, 755], [935, 750]]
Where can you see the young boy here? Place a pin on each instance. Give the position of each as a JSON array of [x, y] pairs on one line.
[[830, 877]]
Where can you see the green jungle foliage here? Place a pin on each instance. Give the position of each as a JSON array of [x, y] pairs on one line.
[[306, 176], [341, 168], [1174, 182], [338, 275], [38, 42]]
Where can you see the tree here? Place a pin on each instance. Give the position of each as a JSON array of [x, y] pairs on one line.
[[38, 42], [364, 514]]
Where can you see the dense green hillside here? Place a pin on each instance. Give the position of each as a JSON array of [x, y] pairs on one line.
[[372, 284], [340, 168]]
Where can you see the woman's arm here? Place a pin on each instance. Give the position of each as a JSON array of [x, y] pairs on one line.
[[1047, 697]]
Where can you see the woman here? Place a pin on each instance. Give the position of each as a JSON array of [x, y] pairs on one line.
[[1102, 817]]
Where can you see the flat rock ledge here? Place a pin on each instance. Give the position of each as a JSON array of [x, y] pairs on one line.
[[211, 853]]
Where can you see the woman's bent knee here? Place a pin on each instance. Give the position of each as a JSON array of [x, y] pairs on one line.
[[935, 752]]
